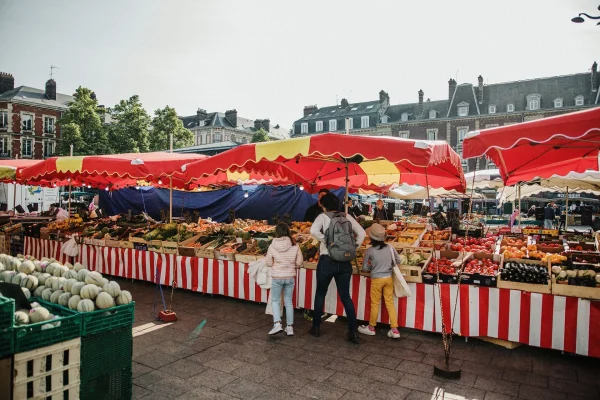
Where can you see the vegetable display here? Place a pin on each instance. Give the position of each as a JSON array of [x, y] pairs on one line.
[[475, 245], [484, 267], [525, 273]]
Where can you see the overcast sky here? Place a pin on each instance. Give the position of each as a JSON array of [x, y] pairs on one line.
[[268, 59]]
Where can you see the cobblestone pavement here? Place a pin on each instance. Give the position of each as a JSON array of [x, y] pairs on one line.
[[233, 357]]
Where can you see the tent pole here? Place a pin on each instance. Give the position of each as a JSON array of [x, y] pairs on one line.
[[519, 206], [171, 183], [71, 154], [566, 211], [346, 195]]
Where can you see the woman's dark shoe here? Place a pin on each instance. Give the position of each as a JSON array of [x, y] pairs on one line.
[[315, 331], [352, 337]]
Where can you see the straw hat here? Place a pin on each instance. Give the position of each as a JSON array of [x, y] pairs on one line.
[[377, 232]]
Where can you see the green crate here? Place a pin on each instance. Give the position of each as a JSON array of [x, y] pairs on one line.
[[7, 312], [7, 342], [33, 336], [115, 385], [108, 320], [106, 352]]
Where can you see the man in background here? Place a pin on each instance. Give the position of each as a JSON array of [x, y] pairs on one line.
[[549, 216], [381, 213], [313, 211]]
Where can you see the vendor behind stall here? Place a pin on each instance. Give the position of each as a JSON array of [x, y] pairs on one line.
[[549, 216], [381, 213], [313, 211], [354, 210]]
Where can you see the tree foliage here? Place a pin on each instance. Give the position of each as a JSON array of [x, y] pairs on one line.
[[128, 132], [164, 123], [82, 127], [260, 136]]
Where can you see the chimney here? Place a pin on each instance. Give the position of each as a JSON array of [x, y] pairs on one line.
[[266, 124], [231, 116], [7, 82], [384, 98], [93, 96], [594, 77], [201, 115], [344, 103], [451, 88], [310, 109], [51, 89], [480, 96], [420, 108], [257, 124]]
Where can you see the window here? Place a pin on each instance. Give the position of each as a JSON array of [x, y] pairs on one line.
[[404, 117], [465, 166], [4, 147], [491, 125], [534, 104], [490, 164], [364, 121], [27, 122], [226, 137], [558, 103], [404, 134], [304, 127], [461, 133], [332, 111], [319, 126], [49, 125], [209, 138], [245, 140], [432, 114], [463, 109], [354, 109], [510, 107], [27, 148], [492, 109], [579, 100], [233, 139], [333, 125], [48, 149], [349, 123], [432, 134], [384, 119], [217, 137], [369, 107], [3, 119]]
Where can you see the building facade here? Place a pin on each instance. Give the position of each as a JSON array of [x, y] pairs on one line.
[[219, 127], [468, 107], [28, 119]]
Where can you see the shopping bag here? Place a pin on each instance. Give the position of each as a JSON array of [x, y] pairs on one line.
[[71, 248], [401, 288]]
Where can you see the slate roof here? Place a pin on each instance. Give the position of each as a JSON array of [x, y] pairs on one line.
[[333, 112], [394, 112], [218, 119], [210, 148], [36, 96]]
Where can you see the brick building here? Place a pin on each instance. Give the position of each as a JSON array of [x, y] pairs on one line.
[[28, 119], [219, 127], [468, 107]]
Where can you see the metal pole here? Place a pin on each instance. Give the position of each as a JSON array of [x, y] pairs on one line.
[[71, 154], [346, 195], [566, 211], [171, 184], [519, 206]]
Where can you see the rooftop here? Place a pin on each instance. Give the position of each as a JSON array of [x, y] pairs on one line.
[[36, 96]]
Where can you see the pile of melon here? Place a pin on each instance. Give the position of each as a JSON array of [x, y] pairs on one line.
[[68, 285]]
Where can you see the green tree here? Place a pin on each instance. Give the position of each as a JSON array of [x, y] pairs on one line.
[[128, 131], [260, 136], [82, 127], [164, 123]]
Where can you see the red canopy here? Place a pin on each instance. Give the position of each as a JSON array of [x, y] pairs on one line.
[[374, 163], [9, 168], [542, 148]]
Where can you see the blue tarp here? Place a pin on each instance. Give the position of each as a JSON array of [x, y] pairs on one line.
[[263, 202]]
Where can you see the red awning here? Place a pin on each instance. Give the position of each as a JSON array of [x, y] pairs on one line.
[[542, 148]]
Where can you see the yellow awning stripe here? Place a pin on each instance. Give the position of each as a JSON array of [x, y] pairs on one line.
[[380, 172], [69, 164], [283, 148]]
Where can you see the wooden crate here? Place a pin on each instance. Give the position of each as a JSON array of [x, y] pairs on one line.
[[170, 247], [225, 256], [499, 342], [155, 246], [525, 287], [37, 376], [413, 273], [583, 292], [112, 243], [184, 248], [206, 251], [310, 265]]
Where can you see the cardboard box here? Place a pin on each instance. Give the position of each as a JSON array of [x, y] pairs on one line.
[[525, 287], [583, 292], [480, 279]]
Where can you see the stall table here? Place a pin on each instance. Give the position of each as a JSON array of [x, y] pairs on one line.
[[543, 320]]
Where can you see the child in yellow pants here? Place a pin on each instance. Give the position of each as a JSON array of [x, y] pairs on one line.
[[379, 259]]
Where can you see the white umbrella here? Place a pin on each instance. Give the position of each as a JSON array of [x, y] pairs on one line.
[[484, 179]]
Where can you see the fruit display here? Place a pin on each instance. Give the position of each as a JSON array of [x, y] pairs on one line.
[[414, 257], [443, 265], [65, 224], [576, 277], [301, 227], [310, 250], [474, 245], [437, 235], [408, 239], [484, 267], [524, 273], [513, 252], [580, 238]]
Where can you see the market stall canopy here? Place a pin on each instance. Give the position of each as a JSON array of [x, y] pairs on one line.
[[540, 148], [575, 180], [319, 161], [484, 179], [9, 167], [510, 193], [113, 171], [415, 192]]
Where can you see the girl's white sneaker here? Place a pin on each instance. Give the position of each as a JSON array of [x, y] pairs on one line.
[[289, 330], [276, 329]]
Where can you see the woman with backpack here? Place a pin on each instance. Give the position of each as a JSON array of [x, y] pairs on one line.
[[339, 236], [284, 258], [380, 259]]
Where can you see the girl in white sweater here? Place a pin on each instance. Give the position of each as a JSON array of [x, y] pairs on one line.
[[284, 257]]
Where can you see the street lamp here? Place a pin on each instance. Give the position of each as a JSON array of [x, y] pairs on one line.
[[579, 19]]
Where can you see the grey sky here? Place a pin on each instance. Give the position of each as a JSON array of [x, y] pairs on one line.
[[271, 58]]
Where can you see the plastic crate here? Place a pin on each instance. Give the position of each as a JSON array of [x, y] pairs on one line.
[[115, 385], [33, 336], [106, 352], [108, 320], [7, 312], [7, 342]]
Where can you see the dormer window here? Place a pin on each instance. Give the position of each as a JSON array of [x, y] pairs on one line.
[[432, 114], [319, 126], [510, 107], [492, 109], [384, 119], [533, 102], [558, 103], [332, 125], [463, 109], [404, 117], [304, 127], [579, 100]]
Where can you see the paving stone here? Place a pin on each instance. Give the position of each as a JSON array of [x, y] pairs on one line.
[[575, 388], [497, 396], [315, 358], [244, 389], [481, 369], [404, 343], [204, 393], [346, 381], [379, 374], [278, 394], [381, 361], [497, 385], [284, 351], [139, 392], [528, 379], [224, 364], [318, 390], [202, 343], [405, 354], [554, 369], [454, 391], [234, 328], [184, 368], [431, 348], [287, 381], [353, 396], [163, 384], [212, 379], [416, 382], [254, 373], [385, 391], [353, 353], [348, 366], [466, 379], [472, 355], [529, 392], [415, 368], [177, 349], [155, 359], [139, 369], [416, 395], [377, 348], [511, 363]]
